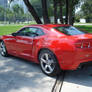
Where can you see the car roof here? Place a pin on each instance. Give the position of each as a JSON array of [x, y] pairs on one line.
[[47, 25]]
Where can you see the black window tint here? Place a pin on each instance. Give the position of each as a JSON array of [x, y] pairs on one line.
[[27, 32], [30, 32], [40, 32], [70, 30], [21, 32], [33, 30]]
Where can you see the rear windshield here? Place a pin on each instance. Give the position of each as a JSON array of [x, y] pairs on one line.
[[70, 30]]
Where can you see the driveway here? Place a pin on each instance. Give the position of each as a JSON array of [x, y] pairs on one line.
[[18, 75]]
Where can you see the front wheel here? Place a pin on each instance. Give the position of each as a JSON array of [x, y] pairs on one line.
[[3, 49], [48, 63]]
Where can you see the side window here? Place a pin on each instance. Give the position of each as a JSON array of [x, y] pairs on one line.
[[31, 32], [40, 32], [21, 32], [27, 32]]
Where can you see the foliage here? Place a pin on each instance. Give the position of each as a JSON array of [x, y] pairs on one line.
[[38, 7], [10, 15], [16, 14], [87, 10], [2, 13], [19, 12]]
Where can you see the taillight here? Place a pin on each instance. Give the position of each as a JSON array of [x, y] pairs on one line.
[[82, 45], [78, 45], [86, 45]]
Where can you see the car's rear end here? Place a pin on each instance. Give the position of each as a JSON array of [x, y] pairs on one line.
[[83, 46], [82, 52]]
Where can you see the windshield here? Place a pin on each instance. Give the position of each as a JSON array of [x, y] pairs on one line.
[[70, 30]]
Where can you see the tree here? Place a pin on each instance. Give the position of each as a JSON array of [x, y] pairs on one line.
[[37, 6], [58, 10], [10, 15], [71, 5], [55, 3], [61, 11], [18, 11], [45, 12], [32, 11], [2, 13], [86, 10], [67, 11]]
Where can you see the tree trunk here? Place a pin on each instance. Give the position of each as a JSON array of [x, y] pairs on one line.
[[71, 18], [45, 12], [71, 13], [67, 11], [32, 11], [55, 11], [61, 11]]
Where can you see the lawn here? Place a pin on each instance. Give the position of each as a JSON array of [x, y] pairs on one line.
[[87, 28], [8, 29]]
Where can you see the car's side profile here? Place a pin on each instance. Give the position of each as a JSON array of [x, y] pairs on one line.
[[56, 47]]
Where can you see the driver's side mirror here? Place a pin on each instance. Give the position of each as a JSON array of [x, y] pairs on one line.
[[14, 34]]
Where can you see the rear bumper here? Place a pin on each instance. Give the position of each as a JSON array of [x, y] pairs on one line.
[[71, 60], [89, 63]]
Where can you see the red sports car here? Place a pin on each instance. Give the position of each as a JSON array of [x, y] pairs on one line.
[[56, 47]]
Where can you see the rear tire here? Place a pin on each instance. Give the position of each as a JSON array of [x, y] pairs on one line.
[[49, 63], [3, 49]]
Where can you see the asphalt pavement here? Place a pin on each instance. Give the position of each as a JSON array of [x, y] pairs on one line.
[[18, 75]]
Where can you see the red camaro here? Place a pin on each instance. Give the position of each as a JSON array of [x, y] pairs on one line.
[[54, 46]]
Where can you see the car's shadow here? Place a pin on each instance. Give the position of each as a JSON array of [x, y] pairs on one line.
[[20, 75], [81, 77]]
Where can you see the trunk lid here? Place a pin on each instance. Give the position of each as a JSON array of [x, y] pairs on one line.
[[82, 41]]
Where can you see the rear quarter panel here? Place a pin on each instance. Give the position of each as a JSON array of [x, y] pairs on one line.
[[59, 44]]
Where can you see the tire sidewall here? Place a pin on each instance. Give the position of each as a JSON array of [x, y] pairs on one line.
[[56, 70], [5, 54]]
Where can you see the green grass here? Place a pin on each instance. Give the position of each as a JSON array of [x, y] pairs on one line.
[[85, 27], [8, 29]]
